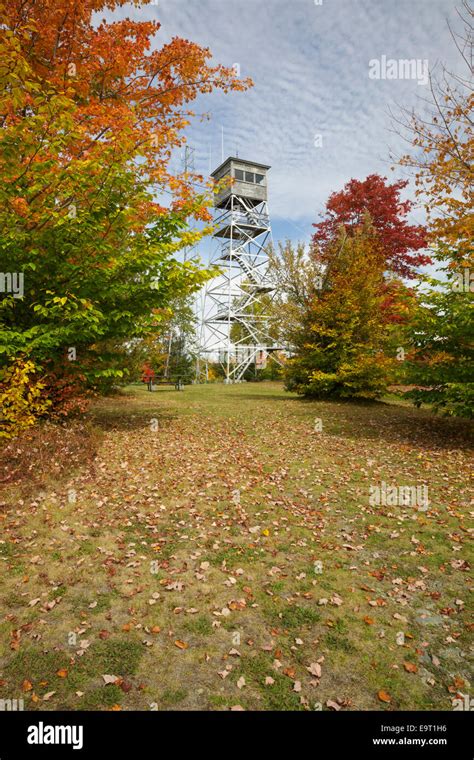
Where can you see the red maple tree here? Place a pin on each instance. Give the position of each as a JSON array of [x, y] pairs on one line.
[[401, 241]]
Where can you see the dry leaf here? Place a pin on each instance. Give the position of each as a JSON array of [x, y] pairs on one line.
[[109, 679], [314, 669]]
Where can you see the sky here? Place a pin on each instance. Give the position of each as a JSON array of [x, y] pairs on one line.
[[314, 113]]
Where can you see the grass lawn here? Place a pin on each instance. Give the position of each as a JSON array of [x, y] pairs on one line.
[[215, 548]]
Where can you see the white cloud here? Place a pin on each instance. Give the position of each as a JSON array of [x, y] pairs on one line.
[[310, 67]]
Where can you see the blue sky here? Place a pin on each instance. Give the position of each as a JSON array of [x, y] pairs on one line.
[[310, 66]]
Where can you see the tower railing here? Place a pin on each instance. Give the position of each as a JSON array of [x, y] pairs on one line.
[[243, 218]]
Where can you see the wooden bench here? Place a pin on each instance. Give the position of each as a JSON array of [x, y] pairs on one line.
[[178, 384]]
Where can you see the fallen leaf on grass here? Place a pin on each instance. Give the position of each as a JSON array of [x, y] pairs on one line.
[[384, 696], [180, 644], [401, 618], [314, 669], [458, 683], [109, 679]]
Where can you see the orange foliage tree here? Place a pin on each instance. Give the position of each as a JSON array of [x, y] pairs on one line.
[[90, 113]]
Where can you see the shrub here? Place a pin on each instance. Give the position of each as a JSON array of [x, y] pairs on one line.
[[22, 399]]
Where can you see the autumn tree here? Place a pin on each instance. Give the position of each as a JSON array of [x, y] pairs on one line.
[[402, 243], [443, 152], [296, 278], [339, 350], [442, 159], [90, 115]]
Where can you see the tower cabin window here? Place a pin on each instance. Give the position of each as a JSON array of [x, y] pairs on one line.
[[255, 179]]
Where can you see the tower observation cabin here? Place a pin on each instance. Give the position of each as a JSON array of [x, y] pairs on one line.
[[246, 179]]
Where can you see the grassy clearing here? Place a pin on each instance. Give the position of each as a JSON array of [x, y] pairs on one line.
[[213, 546]]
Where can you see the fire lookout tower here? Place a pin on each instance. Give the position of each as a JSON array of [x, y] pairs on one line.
[[235, 326]]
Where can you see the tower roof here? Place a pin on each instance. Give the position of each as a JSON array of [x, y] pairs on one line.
[[240, 161]]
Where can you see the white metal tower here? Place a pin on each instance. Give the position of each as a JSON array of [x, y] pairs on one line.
[[234, 325]]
